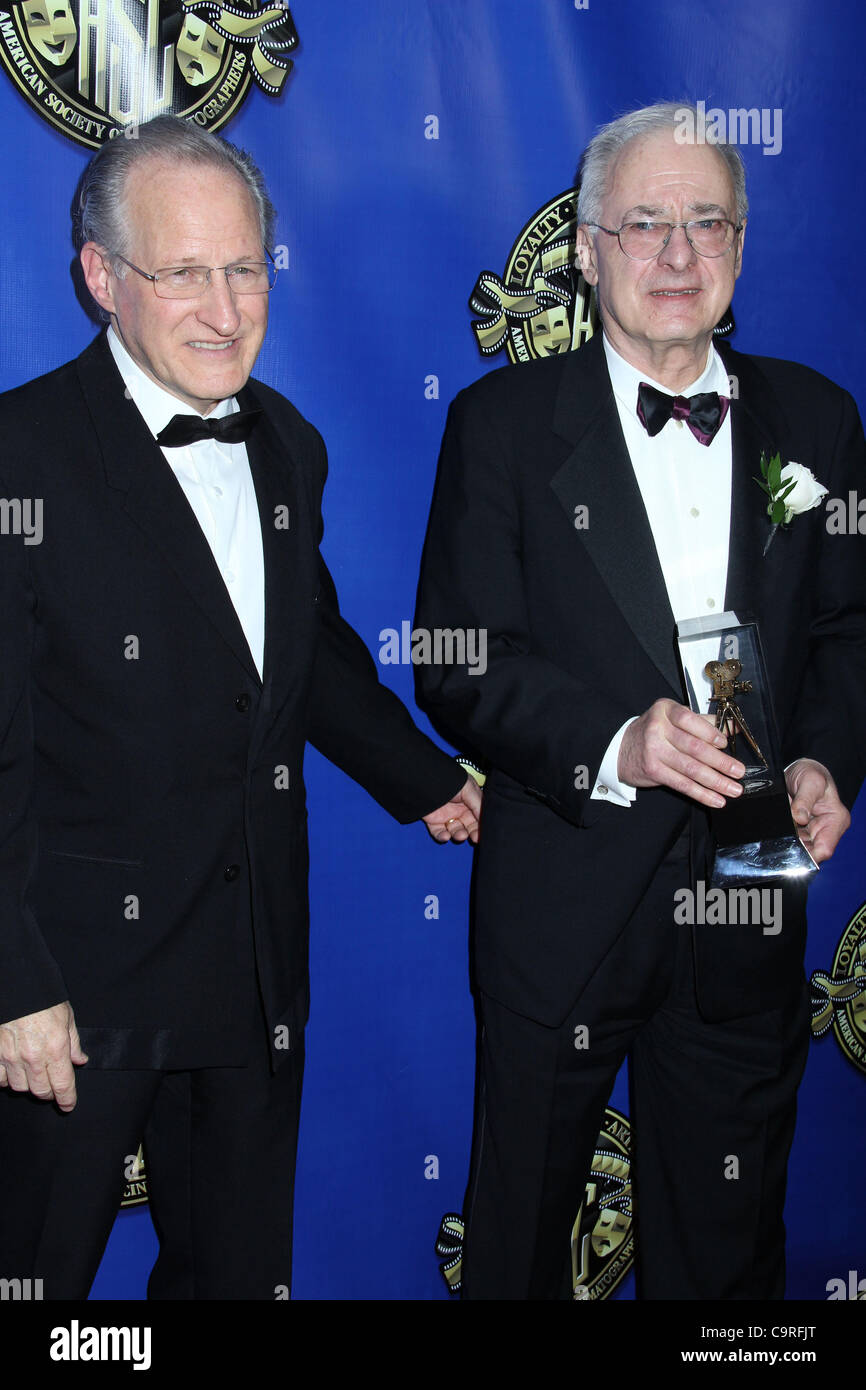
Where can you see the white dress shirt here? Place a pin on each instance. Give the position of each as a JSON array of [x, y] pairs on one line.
[[218, 485], [686, 491]]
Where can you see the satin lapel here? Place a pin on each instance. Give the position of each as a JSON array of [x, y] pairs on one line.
[[756, 426], [284, 529], [598, 475], [154, 499]]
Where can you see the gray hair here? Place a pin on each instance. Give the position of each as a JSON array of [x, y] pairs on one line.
[[99, 209], [599, 155]]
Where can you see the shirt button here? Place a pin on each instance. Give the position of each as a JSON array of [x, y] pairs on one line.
[[711, 603], [231, 872], [218, 491], [694, 512], [242, 703], [602, 790]]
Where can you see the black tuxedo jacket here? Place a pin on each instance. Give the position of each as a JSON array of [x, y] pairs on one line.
[[581, 637], [153, 842]]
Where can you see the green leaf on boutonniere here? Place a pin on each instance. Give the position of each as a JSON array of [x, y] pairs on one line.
[[769, 472], [771, 483], [774, 473]]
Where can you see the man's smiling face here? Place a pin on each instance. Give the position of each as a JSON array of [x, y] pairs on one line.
[[203, 349], [669, 305]]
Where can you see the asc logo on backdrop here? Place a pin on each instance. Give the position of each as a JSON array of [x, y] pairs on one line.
[[839, 999], [541, 305], [96, 68], [602, 1237]]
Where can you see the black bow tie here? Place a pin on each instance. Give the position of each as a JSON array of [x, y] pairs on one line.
[[704, 413], [189, 429]]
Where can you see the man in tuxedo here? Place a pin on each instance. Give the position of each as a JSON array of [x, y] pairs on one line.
[[579, 511], [168, 648]]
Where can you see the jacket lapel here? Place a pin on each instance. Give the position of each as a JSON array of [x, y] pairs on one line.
[[153, 498], [756, 427], [284, 527], [598, 474]]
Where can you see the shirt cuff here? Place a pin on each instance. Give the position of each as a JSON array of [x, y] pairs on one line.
[[607, 786]]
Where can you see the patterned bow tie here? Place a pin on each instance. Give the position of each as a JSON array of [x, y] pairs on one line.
[[704, 413], [189, 429]]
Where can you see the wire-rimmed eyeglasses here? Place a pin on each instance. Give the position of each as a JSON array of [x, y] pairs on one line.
[[189, 281], [643, 241]]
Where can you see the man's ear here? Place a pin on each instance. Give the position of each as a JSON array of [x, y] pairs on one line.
[[738, 263], [98, 275], [586, 255]]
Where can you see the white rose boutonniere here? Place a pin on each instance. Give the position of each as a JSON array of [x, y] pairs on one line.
[[791, 488]]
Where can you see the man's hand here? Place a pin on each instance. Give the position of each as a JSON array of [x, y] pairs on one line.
[[37, 1053], [671, 746], [818, 813], [457, 819]]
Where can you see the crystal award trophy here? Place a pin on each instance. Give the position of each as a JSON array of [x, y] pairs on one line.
[[725, 679]]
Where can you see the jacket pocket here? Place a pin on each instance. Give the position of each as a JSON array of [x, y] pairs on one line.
[[96, 859]]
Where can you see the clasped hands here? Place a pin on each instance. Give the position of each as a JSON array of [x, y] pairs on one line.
[[457, 820]]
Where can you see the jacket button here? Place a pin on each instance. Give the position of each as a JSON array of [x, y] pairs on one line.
[[242, 703], [231, 873]]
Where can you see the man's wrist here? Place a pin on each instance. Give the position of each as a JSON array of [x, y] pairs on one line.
[[473, 770], [608, 785]]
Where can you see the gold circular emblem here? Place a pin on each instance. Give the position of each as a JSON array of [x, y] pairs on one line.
[[602, 1239], [135, 1191], [96, 69], [541, 306], [839, 999]]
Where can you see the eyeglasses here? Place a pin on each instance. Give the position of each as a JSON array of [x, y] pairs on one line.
[[189, 281], [643, 241]]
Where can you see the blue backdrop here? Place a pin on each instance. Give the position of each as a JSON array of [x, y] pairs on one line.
[[387, 218]]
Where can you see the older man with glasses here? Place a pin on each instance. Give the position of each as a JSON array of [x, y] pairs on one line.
[[165, 654], [584, 503]]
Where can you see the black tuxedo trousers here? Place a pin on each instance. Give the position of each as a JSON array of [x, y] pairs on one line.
[[712, 1110], [219, 1149]]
